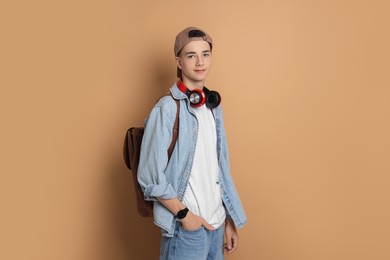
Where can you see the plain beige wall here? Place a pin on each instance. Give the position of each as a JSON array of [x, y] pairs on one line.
[[306, 92]]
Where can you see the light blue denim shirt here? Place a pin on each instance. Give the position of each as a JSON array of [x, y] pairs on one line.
[[160, 178]]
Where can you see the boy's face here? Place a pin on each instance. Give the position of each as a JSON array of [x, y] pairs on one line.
[[195, 62]]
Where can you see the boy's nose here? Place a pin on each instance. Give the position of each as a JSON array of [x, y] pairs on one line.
[[199, 62]]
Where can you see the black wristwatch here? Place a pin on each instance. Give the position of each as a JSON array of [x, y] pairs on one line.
[[182, 213]]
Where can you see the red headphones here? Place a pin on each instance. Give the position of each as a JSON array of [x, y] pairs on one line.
[[198, 97]]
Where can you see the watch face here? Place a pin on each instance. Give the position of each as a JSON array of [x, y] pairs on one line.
[[182, 213]]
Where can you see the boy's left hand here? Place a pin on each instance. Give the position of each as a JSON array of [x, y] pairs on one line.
[[231, 236]]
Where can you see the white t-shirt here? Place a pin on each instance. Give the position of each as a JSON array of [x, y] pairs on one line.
[[203, 194]]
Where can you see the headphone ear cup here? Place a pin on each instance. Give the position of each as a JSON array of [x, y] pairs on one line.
[[213, 99], [197, 97]]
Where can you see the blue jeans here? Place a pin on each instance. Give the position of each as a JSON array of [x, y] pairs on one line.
[[200, 244]]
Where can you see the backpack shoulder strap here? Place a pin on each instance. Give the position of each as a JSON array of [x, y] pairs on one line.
[[175, 131]]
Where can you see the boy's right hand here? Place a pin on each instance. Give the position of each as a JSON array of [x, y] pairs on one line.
[[193, 222]]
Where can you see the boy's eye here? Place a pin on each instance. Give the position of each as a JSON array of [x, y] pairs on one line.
[[191, 56], [206, 54]]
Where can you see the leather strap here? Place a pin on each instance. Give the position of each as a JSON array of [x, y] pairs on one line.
[[175, 131]]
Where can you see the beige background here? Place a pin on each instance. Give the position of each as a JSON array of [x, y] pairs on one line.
[[305, 88]]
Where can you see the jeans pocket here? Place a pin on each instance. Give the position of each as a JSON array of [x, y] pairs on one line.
[[192, 234], [190, 244]]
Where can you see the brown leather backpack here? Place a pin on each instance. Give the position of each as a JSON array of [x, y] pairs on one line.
[[131, 152]]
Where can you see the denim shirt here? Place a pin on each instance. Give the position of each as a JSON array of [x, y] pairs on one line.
[[167, 180]]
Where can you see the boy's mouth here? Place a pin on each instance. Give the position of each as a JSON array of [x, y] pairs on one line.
[[200, 71]]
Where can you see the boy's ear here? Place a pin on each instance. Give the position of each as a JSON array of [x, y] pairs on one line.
[[178, 62]]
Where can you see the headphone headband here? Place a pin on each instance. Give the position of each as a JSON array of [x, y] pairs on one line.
[[183, 88]]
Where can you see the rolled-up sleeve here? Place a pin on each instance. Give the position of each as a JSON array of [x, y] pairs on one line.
[[154, 157]]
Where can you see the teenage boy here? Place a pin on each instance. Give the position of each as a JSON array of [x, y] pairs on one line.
[[195, 200]]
